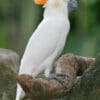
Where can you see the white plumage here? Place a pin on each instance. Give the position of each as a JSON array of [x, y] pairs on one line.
[[47, 42]]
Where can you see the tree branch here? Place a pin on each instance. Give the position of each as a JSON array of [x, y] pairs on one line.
[[41, 89]]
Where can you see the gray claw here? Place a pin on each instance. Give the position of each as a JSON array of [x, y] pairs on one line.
[[60, 77]]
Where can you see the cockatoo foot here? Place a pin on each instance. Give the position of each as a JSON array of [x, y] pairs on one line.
[[60, 77]]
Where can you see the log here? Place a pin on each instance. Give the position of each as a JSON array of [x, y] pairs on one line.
[[42, 89]]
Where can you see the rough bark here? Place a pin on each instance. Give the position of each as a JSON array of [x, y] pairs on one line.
[[87, 87], [9, 62]]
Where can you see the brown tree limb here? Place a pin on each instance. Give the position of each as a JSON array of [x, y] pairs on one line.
[[42, 89], [88, 86]]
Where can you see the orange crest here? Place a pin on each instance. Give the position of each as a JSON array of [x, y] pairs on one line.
[[40, 2]]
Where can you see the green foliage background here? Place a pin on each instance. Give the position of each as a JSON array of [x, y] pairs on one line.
[[19, 18]]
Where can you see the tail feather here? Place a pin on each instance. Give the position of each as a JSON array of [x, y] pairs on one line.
[[19, 93]]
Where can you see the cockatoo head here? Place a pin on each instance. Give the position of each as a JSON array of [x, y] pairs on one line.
[[71, 4]]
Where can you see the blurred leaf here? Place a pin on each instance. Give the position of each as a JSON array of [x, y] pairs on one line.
[[2, 37], [89, 2]]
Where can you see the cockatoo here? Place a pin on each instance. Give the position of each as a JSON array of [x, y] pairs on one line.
[[47, 42]]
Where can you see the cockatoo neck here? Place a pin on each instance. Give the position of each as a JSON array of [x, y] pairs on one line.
[[55, 9]]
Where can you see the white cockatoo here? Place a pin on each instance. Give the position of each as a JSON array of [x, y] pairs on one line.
[[47, 42]]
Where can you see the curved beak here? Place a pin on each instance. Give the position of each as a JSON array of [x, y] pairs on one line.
[[40, 2], [72, 5]]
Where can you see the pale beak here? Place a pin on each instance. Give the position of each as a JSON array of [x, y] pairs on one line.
[[72, 5]]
